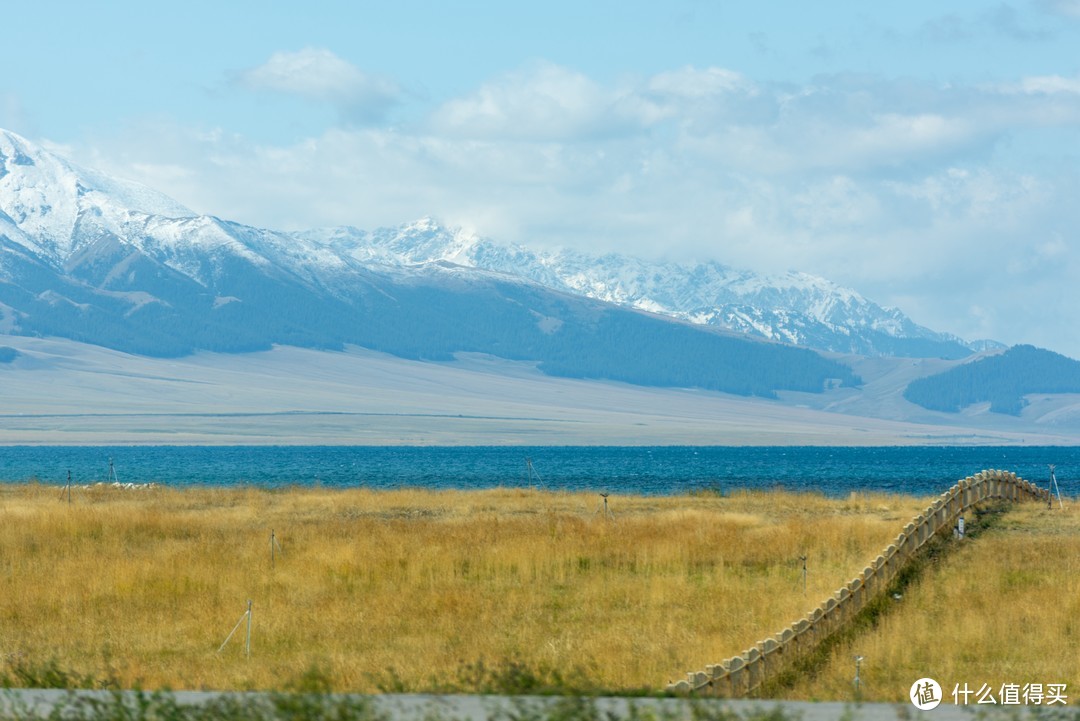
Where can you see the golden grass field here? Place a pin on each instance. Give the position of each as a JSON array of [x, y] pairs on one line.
[[414, 589], [1001, 608]]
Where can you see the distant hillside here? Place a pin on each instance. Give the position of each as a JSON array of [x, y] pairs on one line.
[[1003, 380]]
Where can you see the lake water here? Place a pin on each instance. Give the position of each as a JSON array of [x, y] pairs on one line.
[[646, 470]]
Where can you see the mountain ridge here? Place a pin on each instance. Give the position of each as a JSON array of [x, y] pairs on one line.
[[794, 307], [85, 267]]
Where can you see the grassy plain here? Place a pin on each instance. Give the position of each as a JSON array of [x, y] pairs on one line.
[[414, 590], [1001, 608]]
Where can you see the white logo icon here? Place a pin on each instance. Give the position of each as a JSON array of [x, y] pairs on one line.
[[925, 694]]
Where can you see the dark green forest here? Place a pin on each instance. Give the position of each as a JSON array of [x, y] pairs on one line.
[[1003, 380]]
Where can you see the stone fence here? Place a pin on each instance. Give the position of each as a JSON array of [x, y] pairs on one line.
[[741, 675]]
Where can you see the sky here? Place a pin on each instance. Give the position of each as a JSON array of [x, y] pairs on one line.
[[925, 154]]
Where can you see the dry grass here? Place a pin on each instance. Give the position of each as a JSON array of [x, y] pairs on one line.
[[1002, 608], [413, 586]]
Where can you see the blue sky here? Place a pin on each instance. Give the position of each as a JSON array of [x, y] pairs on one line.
[[926, 154]]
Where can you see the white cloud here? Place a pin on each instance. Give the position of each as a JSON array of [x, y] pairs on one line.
[[1047, 85], [319, 75], [542, 102], [895, 189], [681, 149], [837, 203], [873, 142], [694, 84]]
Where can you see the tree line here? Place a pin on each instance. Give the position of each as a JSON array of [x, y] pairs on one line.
[[1002, 380]]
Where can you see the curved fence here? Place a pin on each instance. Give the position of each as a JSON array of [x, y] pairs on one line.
[[743, 674]]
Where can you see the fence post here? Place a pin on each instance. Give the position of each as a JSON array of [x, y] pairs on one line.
[[890, 565], [788, 653], [841, 607], [770, 658], [817, 617], [800, 639], [832, 613], [710, 675], [753, 667], [737, 675], [721, 678]]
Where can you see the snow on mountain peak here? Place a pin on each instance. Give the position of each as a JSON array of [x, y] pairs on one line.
[[49, 197], [427, 224], [417, 243], [794, 307]]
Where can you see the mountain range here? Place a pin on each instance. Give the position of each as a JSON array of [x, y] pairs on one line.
[[794, 307], [93, 259], [106, 262], [110, 236]]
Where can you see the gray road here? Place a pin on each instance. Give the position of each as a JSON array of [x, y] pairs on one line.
[[31, 703]]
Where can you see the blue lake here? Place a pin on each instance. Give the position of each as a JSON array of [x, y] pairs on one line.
[[647, 470]]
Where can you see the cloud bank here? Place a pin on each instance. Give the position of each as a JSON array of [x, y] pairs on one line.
[[954, 202], [316, 74]]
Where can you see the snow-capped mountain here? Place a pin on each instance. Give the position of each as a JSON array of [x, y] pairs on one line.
[[58, 205], [79, 219], [794, 307], [90, 258]]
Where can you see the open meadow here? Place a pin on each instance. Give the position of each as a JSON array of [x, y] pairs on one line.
[[1001, 609], [413, 590]]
